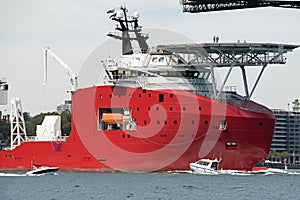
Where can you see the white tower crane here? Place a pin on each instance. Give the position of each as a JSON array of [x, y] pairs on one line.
[[73, 77]]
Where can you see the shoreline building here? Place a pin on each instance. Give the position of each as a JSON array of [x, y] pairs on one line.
[[3, 91], [66, 106], [287, 132]]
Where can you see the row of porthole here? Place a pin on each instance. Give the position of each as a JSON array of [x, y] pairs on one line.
[[124, 136], [130, 95], [150, 95], [157, 108], [162, 135], [158, 122], [175, 122]]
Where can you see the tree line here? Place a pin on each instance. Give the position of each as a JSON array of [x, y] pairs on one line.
[[278, 156], [32, 122]]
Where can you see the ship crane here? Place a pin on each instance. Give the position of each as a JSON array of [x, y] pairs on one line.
[[73, 77]]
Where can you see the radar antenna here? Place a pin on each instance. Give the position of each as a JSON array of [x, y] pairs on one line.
[[130, 29]]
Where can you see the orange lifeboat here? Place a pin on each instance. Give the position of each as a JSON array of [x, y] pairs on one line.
[[112, 118]]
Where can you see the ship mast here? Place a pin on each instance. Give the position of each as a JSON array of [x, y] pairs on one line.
[[130, 31]]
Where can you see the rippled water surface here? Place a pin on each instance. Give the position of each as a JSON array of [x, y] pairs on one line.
[[150, 186]]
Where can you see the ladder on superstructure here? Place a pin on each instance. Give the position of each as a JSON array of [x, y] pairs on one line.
[[17, 122]]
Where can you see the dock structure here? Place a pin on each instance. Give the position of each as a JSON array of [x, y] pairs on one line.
[[197, 6], [230, 55]]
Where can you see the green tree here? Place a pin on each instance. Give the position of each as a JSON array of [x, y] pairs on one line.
[[36, 120], [66, 128], [273, 155], [65, 122], [285, 155], [4, 132], [32, 122], [26, 116]]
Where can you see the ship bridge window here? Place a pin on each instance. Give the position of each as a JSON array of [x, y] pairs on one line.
[[223, 124], [161, 59], [161, 97], [201, 74], [206, 75], [196, 74], [231, 144], [163, 73], [172, 73], [154, 59]]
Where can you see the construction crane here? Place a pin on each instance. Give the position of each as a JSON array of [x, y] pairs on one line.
[[196, 6], [73, 77]]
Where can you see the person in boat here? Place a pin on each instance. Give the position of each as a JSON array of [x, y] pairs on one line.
[[215, 165]]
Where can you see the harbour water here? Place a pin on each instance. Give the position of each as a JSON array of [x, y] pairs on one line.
[[169, 185]]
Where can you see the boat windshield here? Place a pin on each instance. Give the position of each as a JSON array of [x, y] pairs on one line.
[[214, 165], [203, 163]]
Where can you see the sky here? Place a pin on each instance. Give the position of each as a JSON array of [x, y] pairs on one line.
[[73, 29]]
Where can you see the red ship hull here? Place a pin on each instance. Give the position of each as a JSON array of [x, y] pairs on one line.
[[173, 129]]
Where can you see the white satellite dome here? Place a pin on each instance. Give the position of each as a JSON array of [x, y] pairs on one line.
[[119, 14], [136, 15]]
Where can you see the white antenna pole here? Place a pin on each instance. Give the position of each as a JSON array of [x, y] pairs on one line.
[[45, 66]]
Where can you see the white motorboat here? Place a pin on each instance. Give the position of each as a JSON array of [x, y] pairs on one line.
[[41, 170], [205, 166]]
